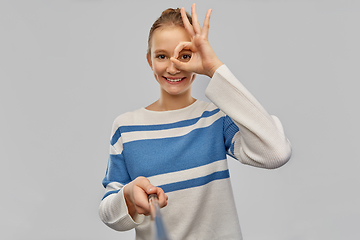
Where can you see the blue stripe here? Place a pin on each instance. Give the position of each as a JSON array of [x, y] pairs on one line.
[[232, 148], [230, 129], [158, 127], [115, 137], [116, 170], [109, 193], [158, 156], [196, 182]]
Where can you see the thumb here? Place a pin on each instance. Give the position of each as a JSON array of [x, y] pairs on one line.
[[145, 184], [180, 65]]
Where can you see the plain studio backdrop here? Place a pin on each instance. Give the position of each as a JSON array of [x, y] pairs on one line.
[[68, 68]]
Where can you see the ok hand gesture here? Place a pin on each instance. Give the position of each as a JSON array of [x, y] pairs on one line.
[[203, 59]]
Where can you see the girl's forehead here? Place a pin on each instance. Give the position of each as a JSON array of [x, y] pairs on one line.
[[168, 36]]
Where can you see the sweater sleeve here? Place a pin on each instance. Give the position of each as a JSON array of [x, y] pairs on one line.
[[113, 210], [259, 138]]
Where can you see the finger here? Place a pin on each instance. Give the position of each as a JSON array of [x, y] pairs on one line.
[[180, 65], [142, 189], [146, 208], [206, 26], [186, 22], [195, 21], [162, 197], [141, 202], [144, 184], [143, 211], [181, 46]]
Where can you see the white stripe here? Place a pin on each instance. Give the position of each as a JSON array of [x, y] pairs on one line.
[[237, 146], [118, 146], [174, 132], [113, 150], [189, 173], [113, 186], [237, 141]]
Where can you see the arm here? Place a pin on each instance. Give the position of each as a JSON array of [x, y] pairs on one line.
[[260, 140], [125, 202], [113, 210]]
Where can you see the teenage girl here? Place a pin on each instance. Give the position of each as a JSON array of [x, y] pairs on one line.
[[176, 147]]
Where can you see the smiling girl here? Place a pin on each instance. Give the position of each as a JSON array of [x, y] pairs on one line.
[[177, 147]]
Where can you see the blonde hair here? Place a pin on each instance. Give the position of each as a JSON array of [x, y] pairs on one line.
[[169, 17]]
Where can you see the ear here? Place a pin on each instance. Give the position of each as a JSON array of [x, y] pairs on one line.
[[148, 57]]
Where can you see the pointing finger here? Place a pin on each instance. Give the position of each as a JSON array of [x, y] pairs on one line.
[[181, 46]]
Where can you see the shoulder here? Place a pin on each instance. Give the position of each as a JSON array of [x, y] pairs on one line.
[[128, 118], [125, 119], [202, 106], [206, 107]]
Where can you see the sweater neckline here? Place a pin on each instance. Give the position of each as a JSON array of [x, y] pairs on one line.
[[172, 111]]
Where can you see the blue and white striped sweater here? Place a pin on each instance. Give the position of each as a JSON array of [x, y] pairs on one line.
[[184, 152], [151, 150]]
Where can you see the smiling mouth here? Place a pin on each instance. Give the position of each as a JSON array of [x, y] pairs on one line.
[[173, 80]]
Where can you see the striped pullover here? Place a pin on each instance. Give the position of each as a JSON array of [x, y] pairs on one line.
[[184, 152]]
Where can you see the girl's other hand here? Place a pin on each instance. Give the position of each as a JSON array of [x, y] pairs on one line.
[[136, 196], [203, 59]]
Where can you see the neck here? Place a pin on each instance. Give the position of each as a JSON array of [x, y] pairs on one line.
[[176, 103], [168, 102]]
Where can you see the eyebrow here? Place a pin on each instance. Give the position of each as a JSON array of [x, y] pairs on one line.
[[185, 50], [159, 51]]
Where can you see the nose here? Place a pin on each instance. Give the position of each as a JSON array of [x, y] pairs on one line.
[[171, 69]]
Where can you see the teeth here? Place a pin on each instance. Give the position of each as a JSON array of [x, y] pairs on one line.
[[174, 80]]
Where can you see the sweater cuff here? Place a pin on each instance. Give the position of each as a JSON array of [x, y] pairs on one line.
[[220, 84], [116, 215]]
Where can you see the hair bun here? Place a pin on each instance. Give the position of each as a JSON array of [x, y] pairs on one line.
[[170, 11]]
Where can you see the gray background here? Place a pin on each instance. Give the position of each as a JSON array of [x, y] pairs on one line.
[[68, 68]]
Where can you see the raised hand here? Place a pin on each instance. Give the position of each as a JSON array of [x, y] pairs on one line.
[[203, 59]]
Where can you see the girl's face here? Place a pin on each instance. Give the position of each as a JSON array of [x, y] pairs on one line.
[[163, 42]]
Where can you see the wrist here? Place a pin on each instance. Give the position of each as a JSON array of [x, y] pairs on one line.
[[214, 68], [129, 204]]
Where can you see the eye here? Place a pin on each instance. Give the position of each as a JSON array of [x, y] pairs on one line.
[[161, 56], [184, 57]]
